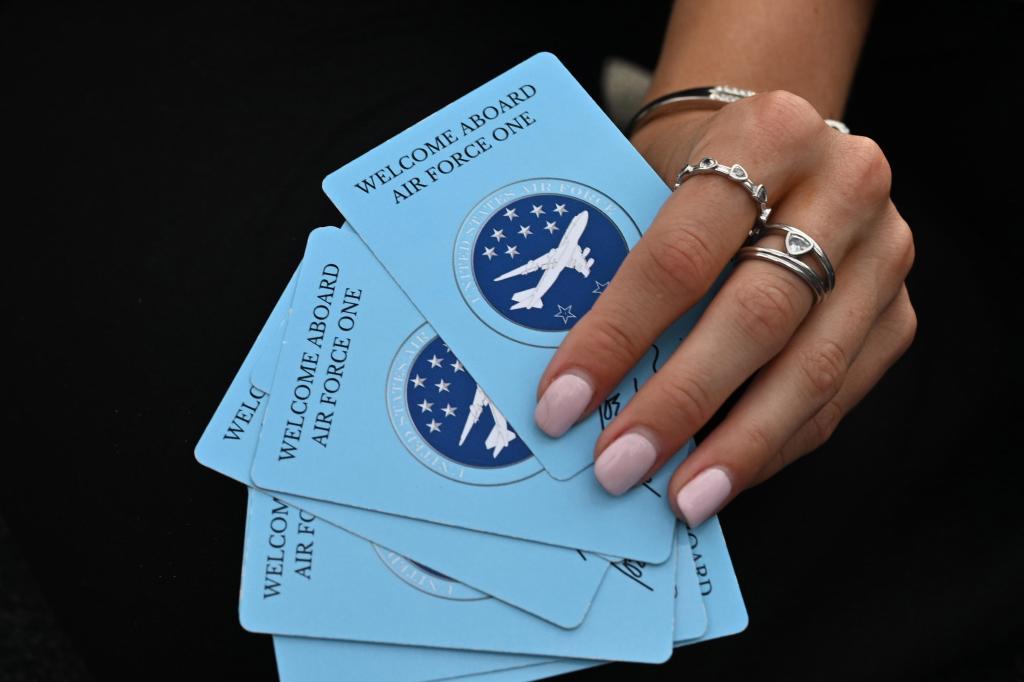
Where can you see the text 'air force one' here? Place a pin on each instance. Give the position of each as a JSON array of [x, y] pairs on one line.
[[566, 254], [500, 435]]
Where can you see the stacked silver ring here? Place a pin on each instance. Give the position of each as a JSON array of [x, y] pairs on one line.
[[798, 245]]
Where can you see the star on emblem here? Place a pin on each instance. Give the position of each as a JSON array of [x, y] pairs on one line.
[[448, 410], [565, 314], [498, 234], [425, 406], [457, 366], [446, 348], [560, 209], [442, 385], [551, 227], [434, 362], [510, 213], [525, 230], [512, 251], [489, 252], [434, 425], [418, 381], [537, 211], [599, 287]]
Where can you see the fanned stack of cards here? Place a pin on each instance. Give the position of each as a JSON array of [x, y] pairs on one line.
[[407, 519]]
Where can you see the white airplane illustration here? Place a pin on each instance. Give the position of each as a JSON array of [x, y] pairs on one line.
[[566, 254], [500, 435]]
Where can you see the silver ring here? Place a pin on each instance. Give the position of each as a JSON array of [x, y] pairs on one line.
[[798, 244], [736, 173], [792, 264]]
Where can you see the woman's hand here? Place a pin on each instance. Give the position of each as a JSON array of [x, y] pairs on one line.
[[813, 363]]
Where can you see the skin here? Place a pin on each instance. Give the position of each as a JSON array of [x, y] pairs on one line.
[[811, 362]]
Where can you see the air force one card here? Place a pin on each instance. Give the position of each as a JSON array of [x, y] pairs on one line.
[[318, 660], [555, 583], [723, 602], [372, 408], [303, 659], [503, 217], [302, 578]]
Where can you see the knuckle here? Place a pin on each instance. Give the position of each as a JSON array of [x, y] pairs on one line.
[[867, 175], [907, 330], [903, 248], [825, 367], [759, 442], [782, 117], [825, 422], [682, 259], [611, 344], [777, 461], [767, 309], [688, 398]]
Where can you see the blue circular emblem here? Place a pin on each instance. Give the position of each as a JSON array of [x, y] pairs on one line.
[[532, 258], [446, 421], [425, 579]]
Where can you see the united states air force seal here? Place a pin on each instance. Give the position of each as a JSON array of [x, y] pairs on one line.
[[531, 258], [446, 421], [426, 579]]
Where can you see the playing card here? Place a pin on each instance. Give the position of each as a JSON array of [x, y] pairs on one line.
[[303, 577], [723, 602], [552, 582], [309, 660], [302, 659], [503, 217], [364, 385]]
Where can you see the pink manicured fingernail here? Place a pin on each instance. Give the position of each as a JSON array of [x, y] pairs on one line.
[[562, 404], [624, 463], [703, 495]]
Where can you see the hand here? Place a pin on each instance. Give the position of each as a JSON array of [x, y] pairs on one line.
[[813, 363]]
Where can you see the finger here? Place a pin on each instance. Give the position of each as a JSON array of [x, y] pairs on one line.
[[693, 236], [888, 341], [731, 460], [747, 324]]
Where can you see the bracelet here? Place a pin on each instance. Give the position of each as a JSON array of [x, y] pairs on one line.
[[710, 97]]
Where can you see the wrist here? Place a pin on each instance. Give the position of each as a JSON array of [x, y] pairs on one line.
[[666, 140]]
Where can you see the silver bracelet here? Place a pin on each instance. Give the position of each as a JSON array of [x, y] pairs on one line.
[[710, 97]]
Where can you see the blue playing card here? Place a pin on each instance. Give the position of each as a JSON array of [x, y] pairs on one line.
[[726, 613], [306, 578], [371, 408], [302, 659], [503, 216], [306, 660], [552, 582]]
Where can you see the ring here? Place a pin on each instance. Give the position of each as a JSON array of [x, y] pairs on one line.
[[798, 244], [736, 173]]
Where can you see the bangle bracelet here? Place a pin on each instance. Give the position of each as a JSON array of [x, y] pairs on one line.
[[709, 97]]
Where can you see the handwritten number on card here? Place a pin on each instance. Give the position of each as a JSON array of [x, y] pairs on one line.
[[611, 406]]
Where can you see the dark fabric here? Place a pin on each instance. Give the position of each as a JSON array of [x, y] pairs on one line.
[[163, 168]]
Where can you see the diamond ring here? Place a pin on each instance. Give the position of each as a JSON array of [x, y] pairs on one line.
[[736, 173], [798, 245]]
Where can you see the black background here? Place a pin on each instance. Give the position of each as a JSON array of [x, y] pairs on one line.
[[162, 170]]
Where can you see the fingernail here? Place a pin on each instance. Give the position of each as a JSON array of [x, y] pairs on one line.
[[624, 463], [703, 495], [562, 404]]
